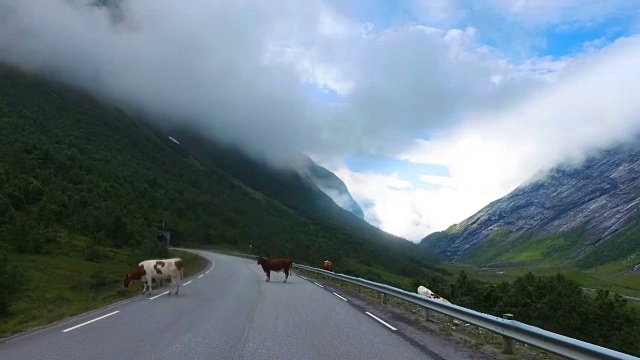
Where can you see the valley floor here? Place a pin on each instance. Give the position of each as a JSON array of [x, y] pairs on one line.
[[610, 277]]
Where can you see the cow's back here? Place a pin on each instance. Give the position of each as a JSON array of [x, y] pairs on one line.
[[282, 264], [277, 264], [162, 268]]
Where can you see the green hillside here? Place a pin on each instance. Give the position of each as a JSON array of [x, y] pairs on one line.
[[81, 180]]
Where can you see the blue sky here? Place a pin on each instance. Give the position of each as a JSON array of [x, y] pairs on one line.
[[507, 33], [389, 165]]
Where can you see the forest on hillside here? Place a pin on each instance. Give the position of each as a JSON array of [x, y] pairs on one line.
[[554, 303], [75, 165]]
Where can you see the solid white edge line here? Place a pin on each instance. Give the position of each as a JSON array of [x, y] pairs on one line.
[[187, 283], [318, 284], [200, 276], [90, 321], [164, 293], [382, 321], [303, 277], [338, 295]]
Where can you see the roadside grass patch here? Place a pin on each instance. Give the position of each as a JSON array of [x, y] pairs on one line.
[[65, 283]]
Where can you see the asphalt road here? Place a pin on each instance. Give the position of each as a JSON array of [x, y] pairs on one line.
[[228, 312]]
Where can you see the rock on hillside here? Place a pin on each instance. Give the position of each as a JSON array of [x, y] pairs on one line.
[[600, 196]]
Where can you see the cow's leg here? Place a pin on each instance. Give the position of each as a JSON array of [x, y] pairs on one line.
[[150, 288], [268, 275], [176, 280], [144, 285], [286, 274]]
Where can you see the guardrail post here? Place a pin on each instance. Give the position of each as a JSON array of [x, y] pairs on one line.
[[546, 340], [507, 346], [384, 298]]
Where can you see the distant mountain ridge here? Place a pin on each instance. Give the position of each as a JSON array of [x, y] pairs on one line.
[[230, 158], [574, 211], [330, 184]]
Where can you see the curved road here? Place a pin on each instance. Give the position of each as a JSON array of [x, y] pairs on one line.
[[226, 312]]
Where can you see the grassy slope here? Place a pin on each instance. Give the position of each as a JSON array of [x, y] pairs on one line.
[[527, 249], [609, 277], [604, 267], [64, 284], [122, 164], [80, 179]]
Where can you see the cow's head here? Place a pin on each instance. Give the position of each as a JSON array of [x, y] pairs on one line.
[[261, 260], [134, 274]]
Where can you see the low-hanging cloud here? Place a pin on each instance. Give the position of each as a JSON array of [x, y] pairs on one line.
[[241, 71], [256, 73], [592, 106]]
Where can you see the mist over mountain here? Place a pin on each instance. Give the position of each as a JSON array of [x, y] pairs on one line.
[[580, 210]]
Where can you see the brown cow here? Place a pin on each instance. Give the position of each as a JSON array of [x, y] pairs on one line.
[[277, 265], [327, 265]]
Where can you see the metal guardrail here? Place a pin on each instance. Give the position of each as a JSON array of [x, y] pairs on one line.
[[510, 329], [547, 340]]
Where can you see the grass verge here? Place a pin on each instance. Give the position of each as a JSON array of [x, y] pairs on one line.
[[65, 284]]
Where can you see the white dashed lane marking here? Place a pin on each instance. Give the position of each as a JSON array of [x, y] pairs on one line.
[[366, 312], [157, 296], [90, 321], [338, 295], [381, 321], [187, 283], [200, 276]]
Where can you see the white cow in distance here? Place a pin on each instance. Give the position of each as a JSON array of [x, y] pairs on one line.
[[148, 270], [423, 291]]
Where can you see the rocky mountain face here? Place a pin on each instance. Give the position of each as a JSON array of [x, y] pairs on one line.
[[599, 197]]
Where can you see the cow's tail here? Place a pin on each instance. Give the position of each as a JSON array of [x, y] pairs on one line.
[[182, 273]]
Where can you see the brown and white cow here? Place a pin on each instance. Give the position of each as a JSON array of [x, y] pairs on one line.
[[148, 270], [430, 294], [327, 265], [277, 265]]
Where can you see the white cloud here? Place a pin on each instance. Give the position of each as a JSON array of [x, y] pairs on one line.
[[592, 105], [438, 180], [570, 13], [525, 28], [240, 71], [405, 209], [444, 13]]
